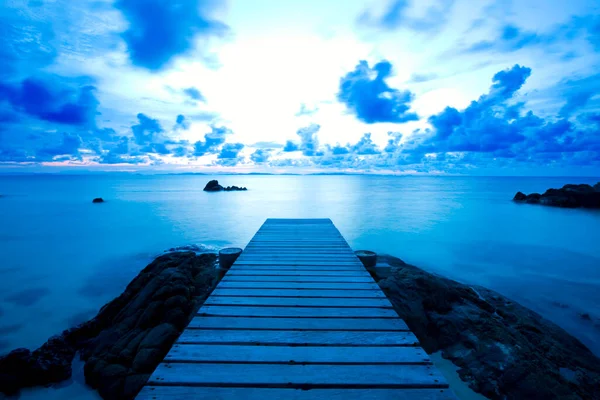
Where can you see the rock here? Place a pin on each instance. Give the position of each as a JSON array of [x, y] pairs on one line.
[[51, 363], [520, 196], [98, 200], [569, 196], [129, 336], [502, 349], [213, 186]]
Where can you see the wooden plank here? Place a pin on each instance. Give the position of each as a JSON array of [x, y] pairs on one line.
[[299, 338], [298, 263], [289, 354], [249, 393], [311, 375], [313, 312], [260, 272], [255, 292], [297, 302], [288, 324], [245, 267], [274, 278], [299, 285]]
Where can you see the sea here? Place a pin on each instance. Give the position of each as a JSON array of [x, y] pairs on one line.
[[63, 257]]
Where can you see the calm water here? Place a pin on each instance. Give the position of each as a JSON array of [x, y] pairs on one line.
[[64, 257]]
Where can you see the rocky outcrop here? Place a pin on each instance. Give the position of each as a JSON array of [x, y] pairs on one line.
[[502, 349], [98, 200], [130, 335], [213, 186], [569, 196]]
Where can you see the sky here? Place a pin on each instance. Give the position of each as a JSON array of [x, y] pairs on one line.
[[487, 87]]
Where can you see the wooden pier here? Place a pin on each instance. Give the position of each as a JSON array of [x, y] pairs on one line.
[[297, 317]]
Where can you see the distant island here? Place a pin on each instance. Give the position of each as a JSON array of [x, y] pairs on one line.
[[213, 186], [569, 196]]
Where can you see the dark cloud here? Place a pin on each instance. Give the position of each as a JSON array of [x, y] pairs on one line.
[[212, 141], [146, 130], [393, 142], [397, 16], [366, 94], [159, 30], [52, 99], [575, 101], [194, 94], [260, 156], [69, 146]]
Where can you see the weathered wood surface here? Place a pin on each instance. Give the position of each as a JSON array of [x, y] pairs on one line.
[[297, 310], [251, 393], [316, 375], [291, 323], [282, 293], [220, 353], [300, 338]]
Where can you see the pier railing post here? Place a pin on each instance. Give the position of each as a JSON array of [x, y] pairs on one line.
[[227, 257]]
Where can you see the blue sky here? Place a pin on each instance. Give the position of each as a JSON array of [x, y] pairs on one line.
[[495, 87]]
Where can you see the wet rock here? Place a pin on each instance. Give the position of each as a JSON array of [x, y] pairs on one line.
[[569, 196], [98, 200], [502, 349], [128, 337]]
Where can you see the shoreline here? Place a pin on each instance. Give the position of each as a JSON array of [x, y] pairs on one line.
[[475, 296]]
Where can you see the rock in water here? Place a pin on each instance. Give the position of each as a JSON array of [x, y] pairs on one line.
[[520, 196], [569, 196], [98, 200], [128, 338], [213, 186], [502, 349]]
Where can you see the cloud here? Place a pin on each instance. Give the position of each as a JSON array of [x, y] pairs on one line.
[[397, 16], [366, 94], [393, 142], [25, 43], [181, 123], [420, 78], [304, 110], [365, 146], [291, 146], [159, 30], [146, 129], [309, 142], [230, 150], [52, 99], [576, 101], [339, 150], [260, 156], [69, 146], [212, 141], [510, 37], [267, 145], [194, 94]]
